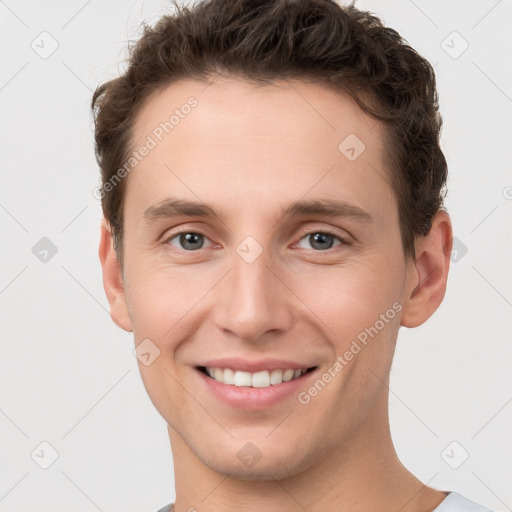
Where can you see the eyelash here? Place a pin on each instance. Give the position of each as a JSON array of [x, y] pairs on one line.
[[304, 234]]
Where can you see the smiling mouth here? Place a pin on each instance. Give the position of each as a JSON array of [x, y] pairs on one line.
[[262, 379]]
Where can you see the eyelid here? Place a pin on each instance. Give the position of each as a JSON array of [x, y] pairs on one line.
[[173, 234], [325, 231], [303, 233]]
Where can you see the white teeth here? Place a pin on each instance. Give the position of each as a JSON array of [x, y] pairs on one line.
[[288, 375], [228, 377], [242, 379], [262, 379], [276, 377]]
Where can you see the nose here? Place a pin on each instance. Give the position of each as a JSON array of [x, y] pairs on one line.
[[253, 300]]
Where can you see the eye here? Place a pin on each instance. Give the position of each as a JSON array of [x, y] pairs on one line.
[[191, 241], [187, 240], [321, 240]]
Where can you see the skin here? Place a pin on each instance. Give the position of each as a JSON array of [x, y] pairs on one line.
[[248, 151]]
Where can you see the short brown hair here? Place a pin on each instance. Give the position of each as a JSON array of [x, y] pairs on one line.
[[341, 47]]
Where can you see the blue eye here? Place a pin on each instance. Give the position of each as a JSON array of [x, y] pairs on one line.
[[321, 240], [188, 240]]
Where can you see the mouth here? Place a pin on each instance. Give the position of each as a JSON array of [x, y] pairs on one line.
[[261, 379]]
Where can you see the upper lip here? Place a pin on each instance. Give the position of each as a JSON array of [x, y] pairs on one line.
[[245, 365]]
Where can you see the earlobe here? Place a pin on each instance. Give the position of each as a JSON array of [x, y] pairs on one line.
[[113, 279], [429, 272]]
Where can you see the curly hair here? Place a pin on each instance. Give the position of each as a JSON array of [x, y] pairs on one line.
[[265, 41]]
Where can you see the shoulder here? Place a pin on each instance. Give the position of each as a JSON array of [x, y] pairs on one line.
[[167, 508], [455, 502]]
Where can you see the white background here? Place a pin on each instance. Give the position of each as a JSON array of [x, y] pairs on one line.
[[68, 375]]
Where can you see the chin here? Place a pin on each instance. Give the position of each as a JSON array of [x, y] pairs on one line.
[[265, 469]]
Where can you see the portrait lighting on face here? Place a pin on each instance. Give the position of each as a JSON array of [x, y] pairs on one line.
[[271, 221]]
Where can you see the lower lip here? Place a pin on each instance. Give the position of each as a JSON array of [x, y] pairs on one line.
[[246, 397]]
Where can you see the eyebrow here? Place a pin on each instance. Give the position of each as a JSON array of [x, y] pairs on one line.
[[173, 207]]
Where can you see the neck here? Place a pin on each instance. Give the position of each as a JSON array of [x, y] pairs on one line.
[[363, 473]]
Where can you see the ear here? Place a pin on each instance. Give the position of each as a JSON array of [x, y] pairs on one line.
[[113, 279], [428, 273]]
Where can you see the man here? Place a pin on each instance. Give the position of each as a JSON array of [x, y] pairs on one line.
[[272, 186]]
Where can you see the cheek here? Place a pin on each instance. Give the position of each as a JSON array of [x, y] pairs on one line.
[[161, 304], [161, 300], [349, 299]]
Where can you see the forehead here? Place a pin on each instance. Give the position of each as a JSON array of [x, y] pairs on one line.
[[247, 139], [254, 110]]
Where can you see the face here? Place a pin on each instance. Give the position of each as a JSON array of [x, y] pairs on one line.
[[291, 260]]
